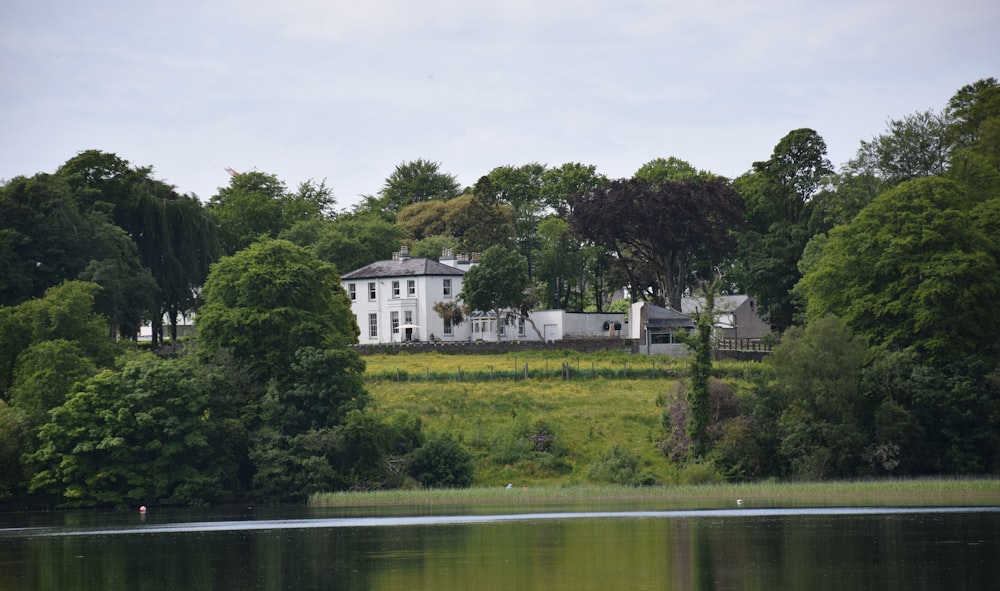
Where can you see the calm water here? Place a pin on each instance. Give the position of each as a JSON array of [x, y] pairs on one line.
[[303, 549]]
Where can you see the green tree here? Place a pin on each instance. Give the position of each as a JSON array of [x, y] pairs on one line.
[[819, 370], [266, 302], [256, 205], [497, 284], [442, 462], [699, 401], [45, 373], [477, 222], [417, 181], [348, 242], [974, 111], [560, 184], [915, 270], [44, 236], [779, 214], [560, 269], [423, 219], [667, 169], [521, 188], [137, 435], [65, 313]]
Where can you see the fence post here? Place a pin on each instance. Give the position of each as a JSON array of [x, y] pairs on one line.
[[460, 373], [526, 370]]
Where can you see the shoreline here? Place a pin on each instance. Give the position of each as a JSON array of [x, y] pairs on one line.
[[973, 492]]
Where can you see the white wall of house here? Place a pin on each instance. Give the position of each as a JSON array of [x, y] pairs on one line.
[[381, 303], [559, 324], [386, 300]]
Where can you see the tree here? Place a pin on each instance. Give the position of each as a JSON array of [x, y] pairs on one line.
[[477, 222], [44, 236], [348, 242], [128, 291], [423, 219], [442, 462], [974, 111], [818, 370], [661, 232], [137, 435], [560, 265], [918, 145], [560, 184], [496, 284], [915, 270], [265, 303], [65, 313], [779, 206], [666, 169], [418, 181], [521, 188], [699, 408], [256, 205]]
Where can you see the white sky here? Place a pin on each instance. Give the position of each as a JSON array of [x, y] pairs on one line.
[[346, 90]]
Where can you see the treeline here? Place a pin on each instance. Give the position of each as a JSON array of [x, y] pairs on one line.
[[900, 246]]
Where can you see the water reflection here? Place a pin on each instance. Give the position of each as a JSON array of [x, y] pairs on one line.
[[745, 549]]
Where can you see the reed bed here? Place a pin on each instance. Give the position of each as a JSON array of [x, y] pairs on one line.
[[862, 493]]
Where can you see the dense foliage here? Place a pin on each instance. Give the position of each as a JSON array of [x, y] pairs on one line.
[[883, 276]]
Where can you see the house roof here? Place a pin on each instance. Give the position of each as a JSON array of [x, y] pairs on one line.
[[403, 268], [658, 317], [723, 303]]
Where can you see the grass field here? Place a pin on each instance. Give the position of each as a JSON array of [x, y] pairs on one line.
[[578, 407], [874, 493]]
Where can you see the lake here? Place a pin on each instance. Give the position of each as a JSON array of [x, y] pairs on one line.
[[512, 548]]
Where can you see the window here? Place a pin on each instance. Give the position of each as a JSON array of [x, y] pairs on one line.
[[394, 322], [503, 329], [373, 325], [520, 327], [407, 316], [447, 288], [395, 289], [411, 287], [371, 292], [351, 291], [448, 330]]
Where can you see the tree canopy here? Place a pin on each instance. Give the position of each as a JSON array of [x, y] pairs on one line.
[[269, 300], [661, 232], [496, 284], [917, 268]]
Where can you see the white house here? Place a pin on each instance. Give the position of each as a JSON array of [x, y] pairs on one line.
[[393, 301]]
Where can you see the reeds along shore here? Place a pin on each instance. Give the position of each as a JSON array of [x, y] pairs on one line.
[[861, 493]]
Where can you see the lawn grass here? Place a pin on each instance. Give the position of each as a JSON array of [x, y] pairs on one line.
[[862, 493]]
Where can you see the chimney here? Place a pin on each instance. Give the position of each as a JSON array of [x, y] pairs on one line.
[[404, 253]]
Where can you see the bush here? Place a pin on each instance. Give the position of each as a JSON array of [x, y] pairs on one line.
[[620, 466], [702, 473], [442, 463]]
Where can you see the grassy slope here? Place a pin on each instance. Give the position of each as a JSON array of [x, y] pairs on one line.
[[587, 415]]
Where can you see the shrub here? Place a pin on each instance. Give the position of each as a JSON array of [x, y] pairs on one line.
[[619, 465], [442, 462], [700, 473]]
